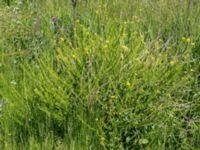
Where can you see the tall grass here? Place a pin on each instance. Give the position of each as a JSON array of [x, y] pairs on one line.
[[109, 74]]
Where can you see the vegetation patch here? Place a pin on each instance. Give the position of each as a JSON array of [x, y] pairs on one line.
[[83, 74]]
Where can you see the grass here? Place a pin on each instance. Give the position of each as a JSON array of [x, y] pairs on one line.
[[117, 74]]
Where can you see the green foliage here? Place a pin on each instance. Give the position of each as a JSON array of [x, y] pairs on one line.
[[101, 75]]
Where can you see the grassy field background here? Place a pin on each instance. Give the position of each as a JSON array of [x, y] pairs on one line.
[[99, 74]]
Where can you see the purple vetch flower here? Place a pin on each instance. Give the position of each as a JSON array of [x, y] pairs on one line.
[[56, 25], [54, 19]]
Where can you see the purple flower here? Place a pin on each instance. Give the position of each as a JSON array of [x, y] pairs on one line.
[[56, 25], [54, 19]]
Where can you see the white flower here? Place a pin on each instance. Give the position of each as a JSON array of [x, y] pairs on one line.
[[19, 2], [13, 82]]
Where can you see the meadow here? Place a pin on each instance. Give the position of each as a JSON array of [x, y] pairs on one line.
[[99, 74]]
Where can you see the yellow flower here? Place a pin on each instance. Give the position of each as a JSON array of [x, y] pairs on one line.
[[113, 97], [157, 45], [141, 90], [97, 12], [183, 39], [192, 44], [138, 59], [124, 47], [128, 84], [105, 46], [62, 39], [59, 50], [87, 33], [157, 91], [188, 40], [86, 50], [74, 56], [172, 62]]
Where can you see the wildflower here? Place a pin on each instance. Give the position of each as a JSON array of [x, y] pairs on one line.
[[172, 62], [141, 90], [74, 56], [188, 40], [128, 84], [193, 44], [19, 2], [87, 33], [86, 50], [107, 42], [124, 47], [105, 46], [157, 91], [168, 95], [157, 45], [113, 97], [54, 19], [138, 60], [77, 21], [183, 39], [56, 25], [13, 82], [62, 39], [59, 51]]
